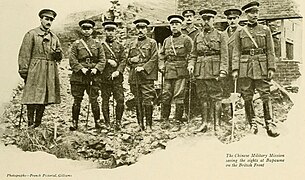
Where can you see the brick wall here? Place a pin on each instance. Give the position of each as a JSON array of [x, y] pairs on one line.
[[287, 72]]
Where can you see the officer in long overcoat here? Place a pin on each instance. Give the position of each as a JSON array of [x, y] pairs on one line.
[[38, 59]]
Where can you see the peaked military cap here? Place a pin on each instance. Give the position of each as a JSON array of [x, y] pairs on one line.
[[86, 23], [175, 18], [207, 12], [188, 11], [47, 12], [232, 12], [110, 24], [251, 5], [141, 22]]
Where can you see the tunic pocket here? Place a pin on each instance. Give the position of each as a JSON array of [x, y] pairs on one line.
[[181, 70], [197, 69]]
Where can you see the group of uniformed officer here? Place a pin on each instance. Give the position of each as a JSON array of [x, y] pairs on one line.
[[214, 59]]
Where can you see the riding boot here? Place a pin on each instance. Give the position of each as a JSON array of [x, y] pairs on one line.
[[250, 115], [270, 126], [165, 112], [204, 117], [75, 117], [140, 118], [178, 117], [118, 115], [96, 115], [30, 114], [39, 113], [148, 115], [105, 112], [217, 115]]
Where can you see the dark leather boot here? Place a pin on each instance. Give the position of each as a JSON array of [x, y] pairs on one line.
[[75, 117], [165, 112], [148, 116], [140, 117], [106, 116], [270, 126], [30, 114], [39, 113], [178, 117], [250, 114], [96, 115], [217, 114], [204, 118], [119, 109]]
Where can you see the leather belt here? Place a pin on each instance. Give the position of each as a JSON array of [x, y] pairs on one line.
[[87, 60], [253, 52], [209, 53], [175, 58]]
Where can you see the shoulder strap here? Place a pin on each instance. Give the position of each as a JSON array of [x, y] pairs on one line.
[[173, 47], [252, 39], [86, 46], [139, 49], [107, 46]]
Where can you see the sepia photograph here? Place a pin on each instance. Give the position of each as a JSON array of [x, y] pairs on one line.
[[160, 90]]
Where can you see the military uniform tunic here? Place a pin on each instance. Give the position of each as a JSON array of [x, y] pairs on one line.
[[107, 85], [209, 57], [80, 58], [253, 63], [143, 53], [174, 56]]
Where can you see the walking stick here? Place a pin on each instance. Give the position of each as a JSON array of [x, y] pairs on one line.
[[233, 110], [161, 99], [189, 100], [88, 109], [113, 110], [139, 105]]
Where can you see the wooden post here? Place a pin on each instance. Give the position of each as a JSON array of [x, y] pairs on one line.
[[283, 40]]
